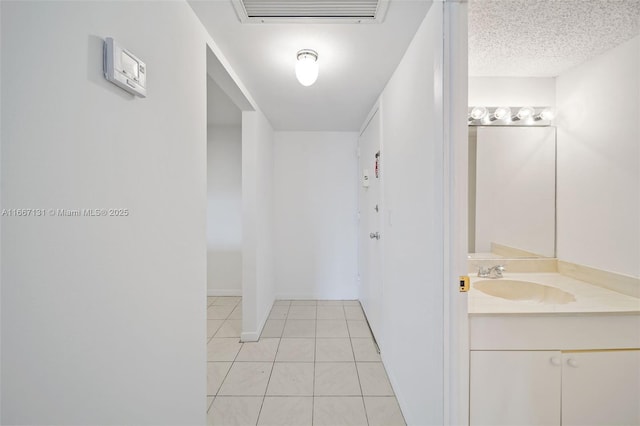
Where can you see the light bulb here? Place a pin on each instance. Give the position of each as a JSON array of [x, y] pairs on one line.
[[546, 114], [525, 113], [478, 113], [307, 67], [501, 113]]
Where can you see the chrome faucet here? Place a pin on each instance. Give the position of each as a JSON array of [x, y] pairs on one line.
[[492, 272]]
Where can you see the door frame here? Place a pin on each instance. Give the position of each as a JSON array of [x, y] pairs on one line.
[[456, 152]]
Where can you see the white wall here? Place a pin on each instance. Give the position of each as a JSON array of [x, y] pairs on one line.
[[224, 210], [512, 91], [258, 272], [103, 318], [412, 170], [315, 214], [599, 161]]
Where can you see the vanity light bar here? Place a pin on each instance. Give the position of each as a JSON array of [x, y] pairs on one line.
[[522, 116]]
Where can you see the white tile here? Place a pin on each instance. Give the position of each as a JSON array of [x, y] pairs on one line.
[[383, 411], [338, 411], [296, 349], [237, 312], [230, 328], [354, 313], [373, 379], [302, 312], [209, 401], [212, 327], [286, 411], [234, 411], [303, 303], [358, 329], [216, 372], [330, 303], [336, 378], [279, 312], [333, 350], [364, 349], [262, 350], [332, 328], [210, 300], [291, 378], [246, 378], [272, 328], [219, 312], [299, 328], [282, 303], [227, 300], [330, 312], [351, 303], [224, 349]]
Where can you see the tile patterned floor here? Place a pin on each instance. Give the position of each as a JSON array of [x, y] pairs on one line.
[[315, 364]]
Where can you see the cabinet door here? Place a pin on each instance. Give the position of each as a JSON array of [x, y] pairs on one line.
[[513, 388], [601, 388]]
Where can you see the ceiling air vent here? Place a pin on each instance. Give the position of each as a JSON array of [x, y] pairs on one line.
[[311, 11]]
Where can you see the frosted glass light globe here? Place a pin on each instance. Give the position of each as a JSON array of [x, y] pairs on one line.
[[502, 113], [307, 67], [525, 113], [478, 113], [547, 114]]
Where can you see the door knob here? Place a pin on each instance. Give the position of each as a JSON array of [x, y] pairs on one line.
[[555, 361], [374, 235], [572, 362]]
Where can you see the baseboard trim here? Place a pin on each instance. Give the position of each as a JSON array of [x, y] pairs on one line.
[[404, 409], [298, 296], [251, 336], [254, 336], [223, 292]]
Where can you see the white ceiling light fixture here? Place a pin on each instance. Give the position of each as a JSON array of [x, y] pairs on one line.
[[307, 67]]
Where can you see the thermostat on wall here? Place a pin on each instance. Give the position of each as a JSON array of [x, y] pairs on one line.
[[124, 69]]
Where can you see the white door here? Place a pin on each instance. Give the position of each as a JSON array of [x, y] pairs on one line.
[[601, 388], [515, 388], [370, 212]]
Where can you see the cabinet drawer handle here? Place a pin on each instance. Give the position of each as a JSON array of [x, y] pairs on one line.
[[555, 361], [572, 363]]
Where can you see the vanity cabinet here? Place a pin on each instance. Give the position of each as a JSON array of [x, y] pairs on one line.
[[546, 388], [509, 388], [601, 388]]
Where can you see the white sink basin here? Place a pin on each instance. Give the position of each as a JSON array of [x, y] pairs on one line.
[[524, 290]]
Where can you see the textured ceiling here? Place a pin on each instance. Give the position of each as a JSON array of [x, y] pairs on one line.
[[355, 61], [542, 38]]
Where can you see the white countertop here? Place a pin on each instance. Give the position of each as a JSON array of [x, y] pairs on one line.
[[589, 298]]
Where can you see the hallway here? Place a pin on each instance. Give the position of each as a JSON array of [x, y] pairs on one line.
[[315, 364]]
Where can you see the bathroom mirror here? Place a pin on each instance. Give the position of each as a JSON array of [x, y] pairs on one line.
[[512, 192]]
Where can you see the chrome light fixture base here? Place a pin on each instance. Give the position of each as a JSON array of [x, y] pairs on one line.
[[307, 52]]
